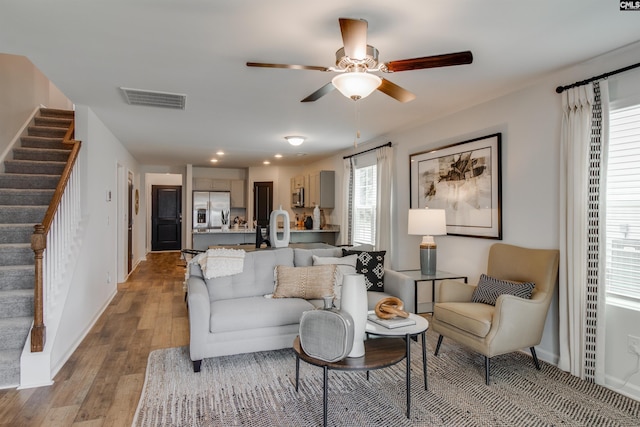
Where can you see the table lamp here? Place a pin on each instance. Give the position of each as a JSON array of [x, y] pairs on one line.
[[427, 223]]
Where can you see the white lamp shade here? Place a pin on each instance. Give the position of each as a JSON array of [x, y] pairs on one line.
[[356, 85], [427, 222]]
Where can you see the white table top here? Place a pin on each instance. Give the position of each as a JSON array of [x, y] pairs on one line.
[[421, 325]]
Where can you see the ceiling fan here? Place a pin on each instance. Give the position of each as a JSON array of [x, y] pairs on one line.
[[357, 60]]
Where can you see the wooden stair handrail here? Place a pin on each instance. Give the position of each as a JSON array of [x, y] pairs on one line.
[[39, 242]]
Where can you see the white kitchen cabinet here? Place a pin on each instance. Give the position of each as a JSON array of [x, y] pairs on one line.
[[237, 193], [321, 189]]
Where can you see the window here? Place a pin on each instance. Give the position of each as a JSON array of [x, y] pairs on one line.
[[364, 201], [623, 203]]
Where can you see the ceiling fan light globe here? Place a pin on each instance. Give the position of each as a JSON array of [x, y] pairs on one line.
[[294, 140], [356, 85]]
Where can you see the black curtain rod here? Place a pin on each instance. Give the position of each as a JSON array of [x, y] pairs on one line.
[[388, 144], [561, 89]]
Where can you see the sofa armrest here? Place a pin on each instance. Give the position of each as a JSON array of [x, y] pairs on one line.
[[400, 286], [199, 316], [454, 291]]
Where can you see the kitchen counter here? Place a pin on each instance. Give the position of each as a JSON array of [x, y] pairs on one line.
[[217, 237]]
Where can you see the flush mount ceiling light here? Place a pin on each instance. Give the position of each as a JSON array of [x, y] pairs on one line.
[[356, 84], [220, 153], [295, 140]]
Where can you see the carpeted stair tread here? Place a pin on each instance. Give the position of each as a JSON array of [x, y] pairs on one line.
[[10, 367], [52, 121], [54, 112], [34, 167], [16, 233], [40, 154], [43, 142], [13, 331], [26, 180], [48, 131], [16, 277], [16, 303], [26, 196], [16, 254], [22, 214]]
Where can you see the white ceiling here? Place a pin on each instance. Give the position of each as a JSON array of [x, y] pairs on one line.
[[199, 48]]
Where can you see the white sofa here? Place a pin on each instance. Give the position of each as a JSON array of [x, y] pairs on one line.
[[230, 315]]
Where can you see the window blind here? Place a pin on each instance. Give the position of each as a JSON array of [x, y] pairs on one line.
[[623, 203]]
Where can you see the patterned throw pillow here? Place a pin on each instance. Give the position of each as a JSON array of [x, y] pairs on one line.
[[371, 265], [489, 289]]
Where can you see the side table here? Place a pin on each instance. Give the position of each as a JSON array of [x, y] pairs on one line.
[[418, 277]]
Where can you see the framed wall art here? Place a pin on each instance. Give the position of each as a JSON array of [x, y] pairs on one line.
[[465, 180]]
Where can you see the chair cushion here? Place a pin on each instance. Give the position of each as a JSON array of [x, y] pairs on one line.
[[490, 288], [371, 265], [474, 318]]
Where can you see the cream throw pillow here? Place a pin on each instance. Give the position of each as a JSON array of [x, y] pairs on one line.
[[312, 282], [344, 265]]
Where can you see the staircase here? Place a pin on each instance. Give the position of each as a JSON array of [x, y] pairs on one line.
[[26, 188]]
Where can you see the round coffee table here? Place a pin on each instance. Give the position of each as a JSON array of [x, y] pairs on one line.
[[379, 353]]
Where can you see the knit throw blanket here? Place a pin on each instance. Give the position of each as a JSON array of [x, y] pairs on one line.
[[221, 262]]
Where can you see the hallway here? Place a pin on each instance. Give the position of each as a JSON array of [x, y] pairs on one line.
[[101, 382]]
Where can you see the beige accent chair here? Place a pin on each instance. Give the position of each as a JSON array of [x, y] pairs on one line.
[[514, 323]]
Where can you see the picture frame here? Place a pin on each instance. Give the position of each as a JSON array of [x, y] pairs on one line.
[[464, 179]]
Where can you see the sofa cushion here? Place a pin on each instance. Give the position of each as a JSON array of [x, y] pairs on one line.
[[371, 265], [344, 265], [313, 282], [474, 318], [304, 257], [256, 312], [490, 288], [256, 278]]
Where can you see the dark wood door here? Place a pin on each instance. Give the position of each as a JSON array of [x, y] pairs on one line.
[[262, 202], [166, 217], [130, 227]]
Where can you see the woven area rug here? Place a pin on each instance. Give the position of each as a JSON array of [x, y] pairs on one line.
[[258, 389]]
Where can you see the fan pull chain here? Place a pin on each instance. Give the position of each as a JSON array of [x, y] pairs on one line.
[[357, 124]]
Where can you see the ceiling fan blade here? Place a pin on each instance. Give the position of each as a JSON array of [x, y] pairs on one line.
[[354, 37], [446, 60], [395, 91], [289, 66], [329, 87]]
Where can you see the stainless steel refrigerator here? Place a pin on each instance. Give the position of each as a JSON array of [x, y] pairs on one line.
[[208, 207]]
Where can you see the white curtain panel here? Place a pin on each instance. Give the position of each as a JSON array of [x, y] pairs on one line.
[[347, 174], [577, 104], [384, 172]]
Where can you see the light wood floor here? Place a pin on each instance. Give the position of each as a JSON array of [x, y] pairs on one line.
[[101, 383]]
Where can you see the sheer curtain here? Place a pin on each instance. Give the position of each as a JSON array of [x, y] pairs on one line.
[[384, 156], [582, 230], [347, 197]]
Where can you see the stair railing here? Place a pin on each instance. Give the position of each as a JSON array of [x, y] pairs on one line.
[[55, 233]]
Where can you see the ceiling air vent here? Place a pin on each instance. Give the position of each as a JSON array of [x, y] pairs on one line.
[[152, 98]]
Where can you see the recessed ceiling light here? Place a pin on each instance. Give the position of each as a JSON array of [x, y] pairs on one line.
[[278, 156], [214, 160], [266, 162], [220, 153]]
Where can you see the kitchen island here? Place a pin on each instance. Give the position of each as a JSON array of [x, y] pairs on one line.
[[216, 237]]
